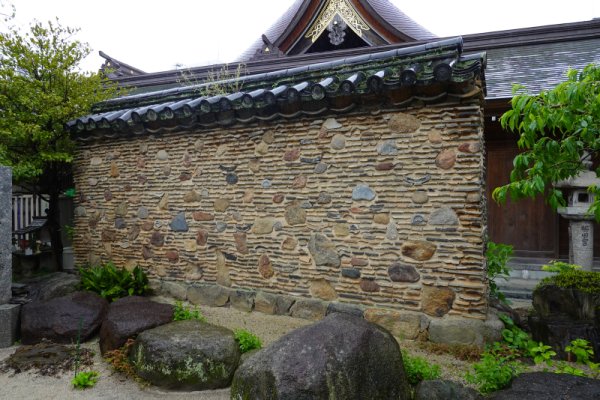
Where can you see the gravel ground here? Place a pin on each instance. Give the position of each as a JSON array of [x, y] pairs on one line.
[[113, 386]]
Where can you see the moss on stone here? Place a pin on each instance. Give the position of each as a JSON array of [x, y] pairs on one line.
[[584, 281]]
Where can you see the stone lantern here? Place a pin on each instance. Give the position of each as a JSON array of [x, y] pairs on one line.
[[581, 224]]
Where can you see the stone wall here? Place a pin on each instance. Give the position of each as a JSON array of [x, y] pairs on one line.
[[5, 234], [381, 209]]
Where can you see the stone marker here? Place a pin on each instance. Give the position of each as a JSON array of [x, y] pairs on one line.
[[5, 234], [9, 313]]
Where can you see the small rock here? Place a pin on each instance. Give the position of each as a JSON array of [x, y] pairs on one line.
[[403, 123], [321, 168], [420, 197], [434, 137], [351, 273], [263, 226], [291, 155], [278, 198], [202, 237], [264, 267], [443, 216], [341, 229], [220, 226], [295, 215], [221, 205], [179, 224], [331, 123], [299, 182], [172, 255], [323, 251], [446, 159], [419, 250], [157, 239], [418, 219], [289, 243], [382, 219], [359, 262], [369, 285], [240, 242], [437, 301], [322, 289], [231, 178], [202, 216], [324, 198], [338, 142], [363, 192], [403, 273], [191, 196], [384, 166], [387, 148], [391, 233], [120, 223], [162, 155], [266, 184]]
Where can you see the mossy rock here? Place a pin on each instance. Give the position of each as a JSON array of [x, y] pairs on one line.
[[186, 355], [584, 281]]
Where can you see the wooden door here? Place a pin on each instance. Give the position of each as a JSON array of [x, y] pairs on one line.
[[530, 226]]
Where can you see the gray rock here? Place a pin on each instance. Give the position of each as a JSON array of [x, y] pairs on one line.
[[177, 290], [129, 316], [9, 328], [242, 300], [265, 303], [341, 357], [331, 123], [399, 272], [443, 216], [309, 309], [387, 148], [549, 386], [143, 213], [179, 224], [186, 355], [465, 331], [50, 286], [5, 234], [208, 295], [344, 308], [363, 192], [220, 226], [321, 168], [352, 273], [391, 232], [323, 251], [266, 184], [60, 319], [338, 142], [440, 389]]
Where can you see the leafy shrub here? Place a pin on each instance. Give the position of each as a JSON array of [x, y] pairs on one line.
[[497, 255], [560, 266], [541, 353], [581, 349], [113, 283], [493, 372], [585, 281], [515, 337], [183, 313], [247, 340], [419, 369], [85, 379]]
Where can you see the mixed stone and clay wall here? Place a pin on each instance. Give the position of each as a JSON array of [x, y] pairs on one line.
[[382, 209]]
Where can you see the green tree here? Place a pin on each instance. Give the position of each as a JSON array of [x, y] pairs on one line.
[[42, 88], [559, 131]]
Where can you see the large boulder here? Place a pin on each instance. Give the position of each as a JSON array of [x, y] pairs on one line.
[[186, 355], [341, 357], [440, 389], [56, 284], [564, 314], [550, 386], [129, 316], [63, 319]]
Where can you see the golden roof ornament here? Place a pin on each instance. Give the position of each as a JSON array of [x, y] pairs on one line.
[[342, 9]]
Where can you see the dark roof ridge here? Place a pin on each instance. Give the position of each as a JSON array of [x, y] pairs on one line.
[[455, 43]]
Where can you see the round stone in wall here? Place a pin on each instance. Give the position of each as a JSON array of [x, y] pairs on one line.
[[443, 216], [403, 123], [266, 184], [420, 197], [198, 145], [338, 142], [331, 123], [92, 181], [264, 267], [321, 168], [95, 161], [162, 155], [387, 148], [231, 178], [143, 148], [419, 250], [362, 192], [399, 272], [143, 212], [446, 159]]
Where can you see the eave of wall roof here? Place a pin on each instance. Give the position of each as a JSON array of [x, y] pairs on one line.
[[429, 72]]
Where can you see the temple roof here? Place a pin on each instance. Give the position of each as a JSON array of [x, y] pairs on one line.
[[429, 72], [385, 20]]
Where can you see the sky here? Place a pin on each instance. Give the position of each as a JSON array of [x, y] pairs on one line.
[[162, 35]]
